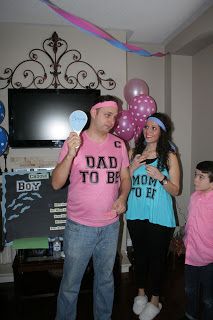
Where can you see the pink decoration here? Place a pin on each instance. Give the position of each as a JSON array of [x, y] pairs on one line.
[[139, 129], [142, 107], [134, 88], [137, 133], [125, 128], [92, 29]]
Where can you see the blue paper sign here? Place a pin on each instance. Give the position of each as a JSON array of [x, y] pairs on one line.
[[77, 121]]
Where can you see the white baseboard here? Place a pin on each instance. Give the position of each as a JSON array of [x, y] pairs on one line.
[[6, 273], [125, 263]]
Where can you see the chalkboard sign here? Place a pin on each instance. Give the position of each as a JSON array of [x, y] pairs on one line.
[[30, 206]]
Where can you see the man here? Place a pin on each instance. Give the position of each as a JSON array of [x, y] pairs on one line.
[[97, 163]]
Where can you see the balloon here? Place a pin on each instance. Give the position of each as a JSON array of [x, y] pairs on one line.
[[125, 128], [137, 133], [134, 88], [139, 129], [2, 112], [3, 140], [142, 107]]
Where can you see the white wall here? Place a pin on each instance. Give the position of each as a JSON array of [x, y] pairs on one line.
[[191, 96], [197, 36], [181, 115], [16, 42], [202, 110], [151, 70]]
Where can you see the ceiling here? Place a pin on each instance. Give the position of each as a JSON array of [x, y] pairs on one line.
[[150, 21]]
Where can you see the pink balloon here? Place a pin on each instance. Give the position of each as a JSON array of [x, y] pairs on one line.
[[137, 133], [139, 129], [125, 127], [142, 107], [134, 88]]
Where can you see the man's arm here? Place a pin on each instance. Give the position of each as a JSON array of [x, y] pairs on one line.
[[125, 186], [62, 170]]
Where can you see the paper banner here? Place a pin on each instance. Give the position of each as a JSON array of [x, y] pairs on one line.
[[100, 33]]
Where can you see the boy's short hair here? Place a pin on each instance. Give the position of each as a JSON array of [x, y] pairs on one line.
[[206, 167]]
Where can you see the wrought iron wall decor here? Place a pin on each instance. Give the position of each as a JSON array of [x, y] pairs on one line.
[[57, 66]]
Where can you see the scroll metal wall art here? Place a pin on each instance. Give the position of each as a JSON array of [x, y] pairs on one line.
[[55, 66]]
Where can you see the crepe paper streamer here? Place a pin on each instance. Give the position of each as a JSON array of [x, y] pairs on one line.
[[92, 29], [77, 121]]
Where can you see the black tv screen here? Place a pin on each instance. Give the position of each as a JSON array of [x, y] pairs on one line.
[[39, 117]]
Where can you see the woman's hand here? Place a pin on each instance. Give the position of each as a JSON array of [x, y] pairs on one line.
[[138, 161], [154, 173], [173, 183]]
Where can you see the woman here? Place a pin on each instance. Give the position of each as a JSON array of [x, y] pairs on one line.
[[150, 217]]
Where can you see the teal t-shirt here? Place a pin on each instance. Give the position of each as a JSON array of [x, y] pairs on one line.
[[149, 200]]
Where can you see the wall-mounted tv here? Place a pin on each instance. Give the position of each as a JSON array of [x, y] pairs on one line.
[[39, 117]]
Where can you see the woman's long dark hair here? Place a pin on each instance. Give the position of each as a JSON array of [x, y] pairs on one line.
[[163, 146]]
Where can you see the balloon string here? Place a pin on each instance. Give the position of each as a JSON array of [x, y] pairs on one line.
[[92, 29]]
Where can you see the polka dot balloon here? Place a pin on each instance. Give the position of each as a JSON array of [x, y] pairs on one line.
[[125, 128], [139, 129], [3, 140], [142, 107]]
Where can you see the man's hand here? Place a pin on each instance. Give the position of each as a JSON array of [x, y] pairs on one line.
[[119, 205], [73, 143]]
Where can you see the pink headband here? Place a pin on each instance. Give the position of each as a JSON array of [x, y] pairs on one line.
[[111, 104]]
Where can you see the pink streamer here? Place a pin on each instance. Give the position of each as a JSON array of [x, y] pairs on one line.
[[96, 31]]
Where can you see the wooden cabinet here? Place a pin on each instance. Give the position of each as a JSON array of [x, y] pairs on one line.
[[41, 276]]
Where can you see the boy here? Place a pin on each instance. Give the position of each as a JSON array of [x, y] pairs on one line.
[[199, 245]]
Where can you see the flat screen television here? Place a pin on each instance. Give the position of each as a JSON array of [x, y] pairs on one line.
[[39, 117]]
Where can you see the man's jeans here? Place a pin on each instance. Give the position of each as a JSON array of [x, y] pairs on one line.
[[80, 244], [199, 280]]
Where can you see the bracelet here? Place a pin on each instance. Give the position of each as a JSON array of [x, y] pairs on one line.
[[164, 181]]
